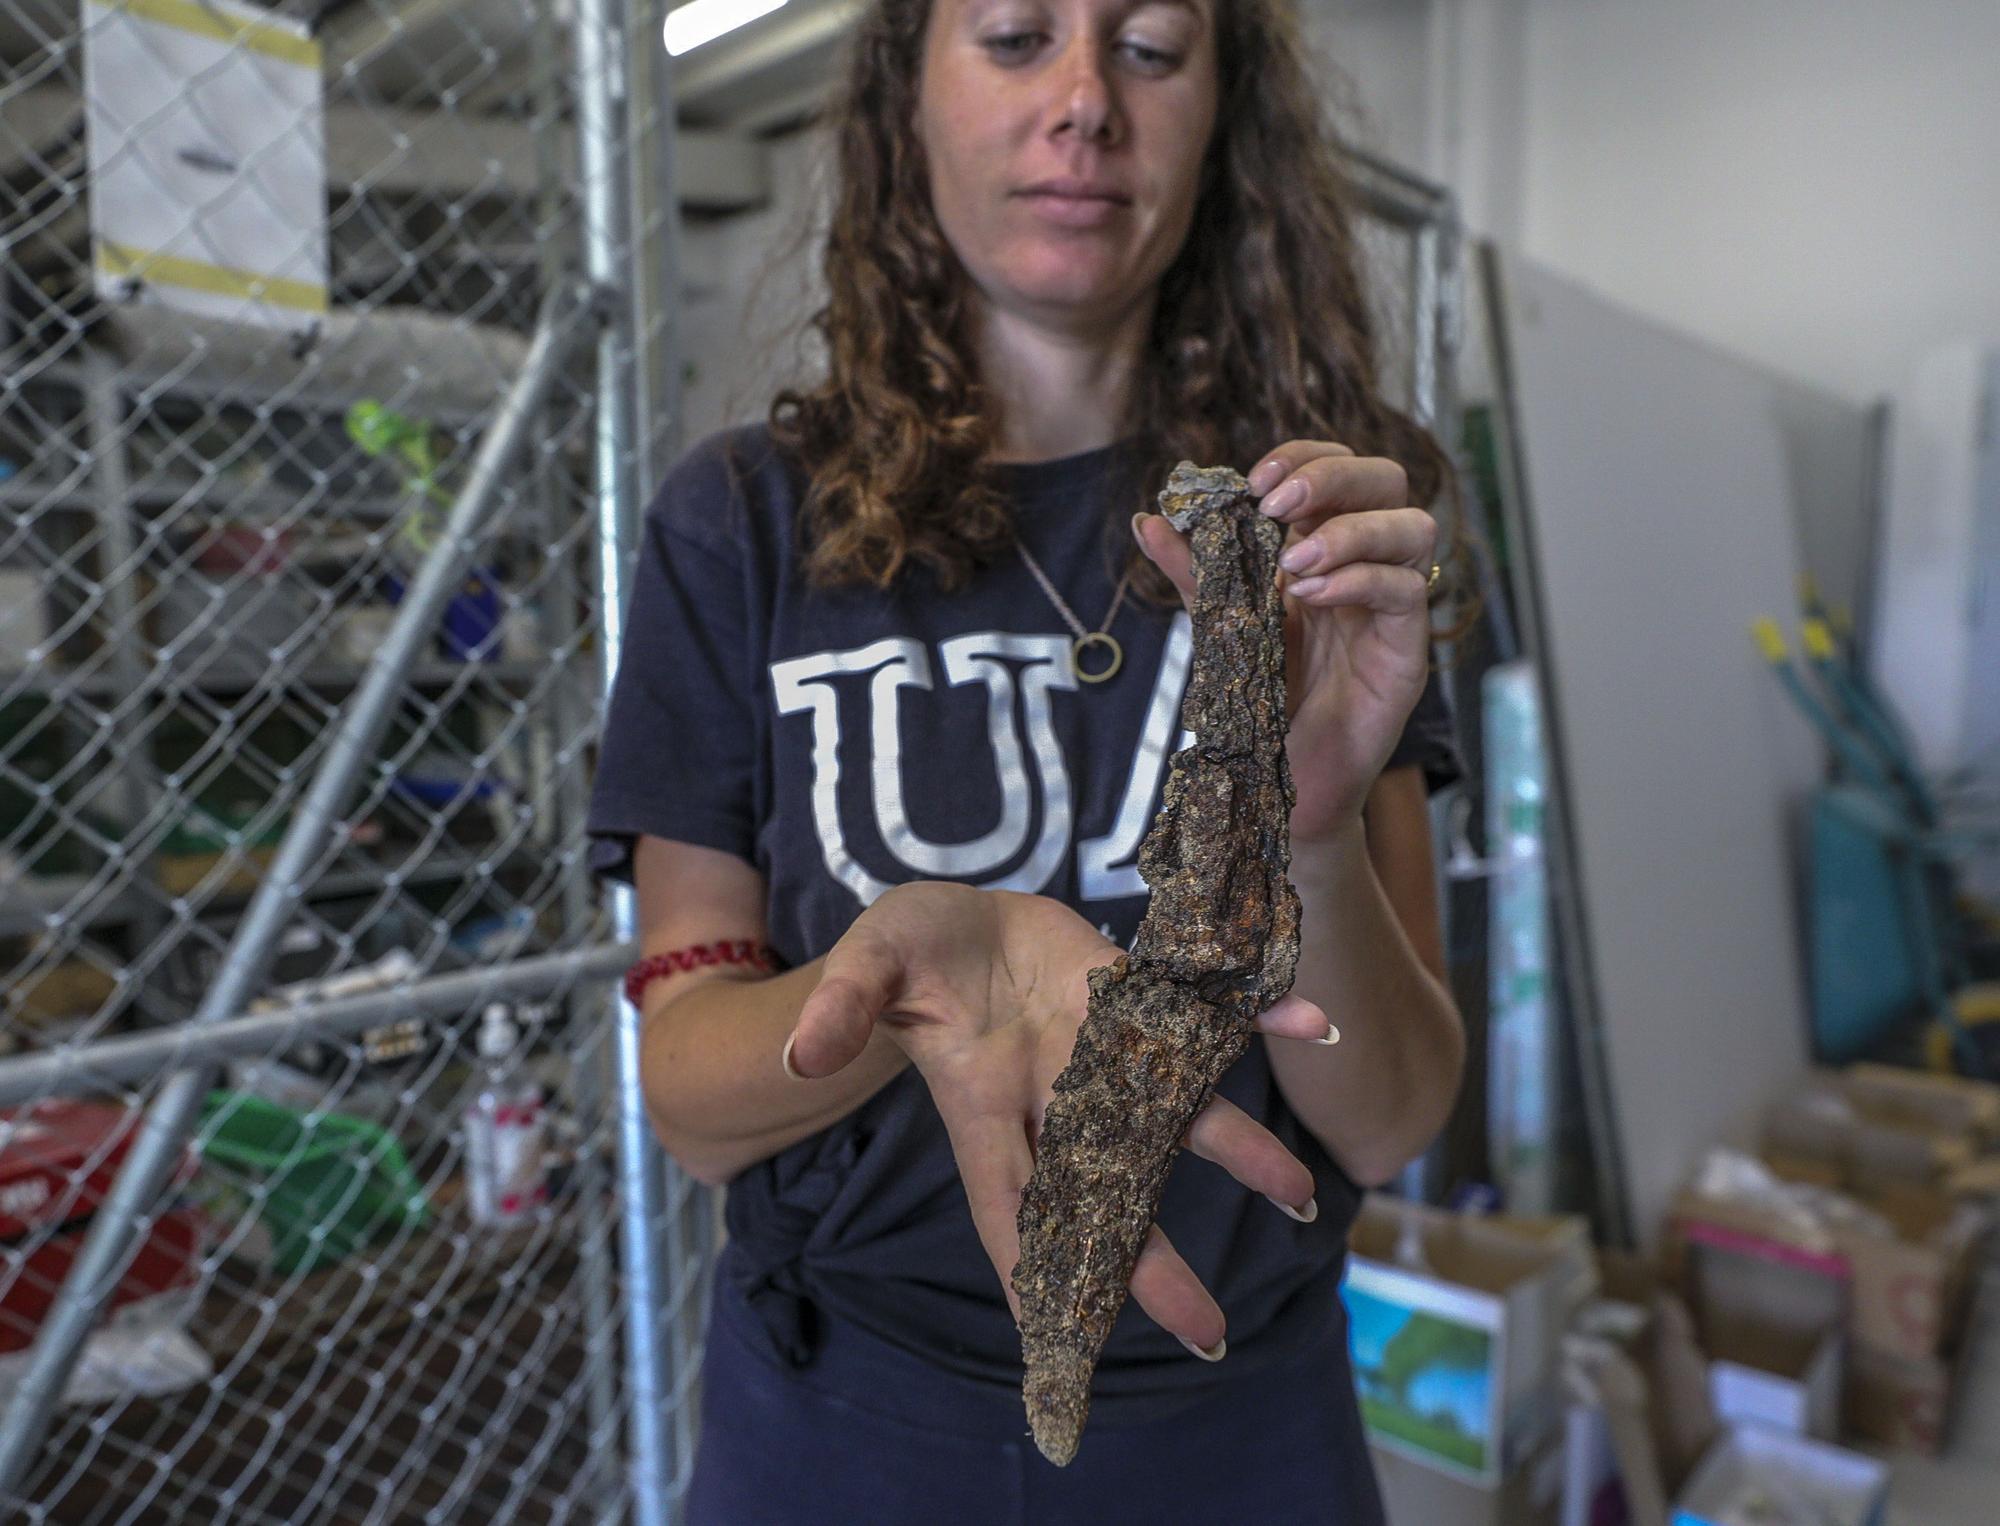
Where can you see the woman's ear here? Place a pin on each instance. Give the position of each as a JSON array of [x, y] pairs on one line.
[[1167, 549]]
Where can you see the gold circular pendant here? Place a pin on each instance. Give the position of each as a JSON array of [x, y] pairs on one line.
[[1096, 638]]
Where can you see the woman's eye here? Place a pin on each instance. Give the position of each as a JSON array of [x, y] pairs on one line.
[[1149, 57], [1011, 44]]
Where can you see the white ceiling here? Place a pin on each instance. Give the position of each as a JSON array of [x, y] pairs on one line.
[[772, 71]]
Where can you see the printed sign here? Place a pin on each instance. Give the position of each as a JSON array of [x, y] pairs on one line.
[[1428, 1365], [207, 159]]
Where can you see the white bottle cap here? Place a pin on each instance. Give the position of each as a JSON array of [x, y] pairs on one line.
[[497, 1036]]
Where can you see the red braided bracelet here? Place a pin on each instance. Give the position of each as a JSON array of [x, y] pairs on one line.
[[731, 951]]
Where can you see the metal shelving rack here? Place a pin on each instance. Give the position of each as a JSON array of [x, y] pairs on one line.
[[146, 359]]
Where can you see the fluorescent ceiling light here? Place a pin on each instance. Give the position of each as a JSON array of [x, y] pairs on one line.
[[689, 26]]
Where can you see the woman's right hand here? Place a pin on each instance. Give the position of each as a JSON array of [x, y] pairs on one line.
[[985, 990]]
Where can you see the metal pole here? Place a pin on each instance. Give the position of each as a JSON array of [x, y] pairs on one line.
[[1433, 348], [108, 1062], [687, 1237], [140, 787], [104, 407], [603, 74], [171, 1119], [655, 225], [560, 768]]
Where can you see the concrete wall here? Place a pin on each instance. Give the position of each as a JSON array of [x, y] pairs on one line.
[[1816, 182], [1812, 183], [753, 280]]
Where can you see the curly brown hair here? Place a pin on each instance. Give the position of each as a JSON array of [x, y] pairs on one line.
[[1261, 332]]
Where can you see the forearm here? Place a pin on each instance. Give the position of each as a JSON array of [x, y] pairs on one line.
[[715, 1086], [1378, 1097]]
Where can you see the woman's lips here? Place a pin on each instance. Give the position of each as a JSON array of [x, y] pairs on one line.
[[1071, 211]]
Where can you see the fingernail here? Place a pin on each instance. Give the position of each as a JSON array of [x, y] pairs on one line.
[[1304, 1215], [1303, 587], [1137, 520], [1265, 477], [1214, 1354], [1284, 498], [786, 1058], [1332, 1035], [1298, 558]]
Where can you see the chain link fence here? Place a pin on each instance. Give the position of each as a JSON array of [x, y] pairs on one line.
[[312, 529], [336, 357]]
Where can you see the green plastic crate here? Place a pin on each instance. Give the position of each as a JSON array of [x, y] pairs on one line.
[[331, 1183]]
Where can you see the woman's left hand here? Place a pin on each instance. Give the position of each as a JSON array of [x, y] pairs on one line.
[[1356, 571]]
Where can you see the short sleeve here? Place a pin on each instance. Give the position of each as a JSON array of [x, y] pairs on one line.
[[678, 753], [1430, 740]]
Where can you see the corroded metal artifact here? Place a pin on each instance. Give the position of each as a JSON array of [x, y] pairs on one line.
[[1218, 944]]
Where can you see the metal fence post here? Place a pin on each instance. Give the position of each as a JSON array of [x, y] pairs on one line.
[[26, 1078], [115, 1229], [604, 75]]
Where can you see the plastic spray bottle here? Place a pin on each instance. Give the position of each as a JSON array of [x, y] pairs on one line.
[[506, 1180]]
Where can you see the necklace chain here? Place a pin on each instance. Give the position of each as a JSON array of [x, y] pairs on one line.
[[1084, 638]]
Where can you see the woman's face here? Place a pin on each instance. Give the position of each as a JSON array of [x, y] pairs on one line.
[[1065, 142]]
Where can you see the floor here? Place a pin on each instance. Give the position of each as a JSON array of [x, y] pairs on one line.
[[484, 1422]]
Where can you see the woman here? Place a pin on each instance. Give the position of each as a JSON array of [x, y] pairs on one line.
[[863, 720]]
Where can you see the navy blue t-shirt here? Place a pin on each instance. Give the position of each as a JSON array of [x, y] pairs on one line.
[[845, 741]]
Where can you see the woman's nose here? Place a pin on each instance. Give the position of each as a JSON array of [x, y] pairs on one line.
[[1087, 108]]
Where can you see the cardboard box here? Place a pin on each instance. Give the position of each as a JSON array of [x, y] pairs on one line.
[[57, 1164], [1912, 1293], [1822, 1134], [1457, 1358], [1900, 1403], [1753, 1474], [58, 1161], [1639, 1416], [71, 989], [1926, 1099], [164, 1262], [1413, 1492], [1907, 1402], [1910, 1255], [1779, 1380], [183, 873], [1672, 1398], [1911, 1286], [1772, 1316], [1878, 1131]]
